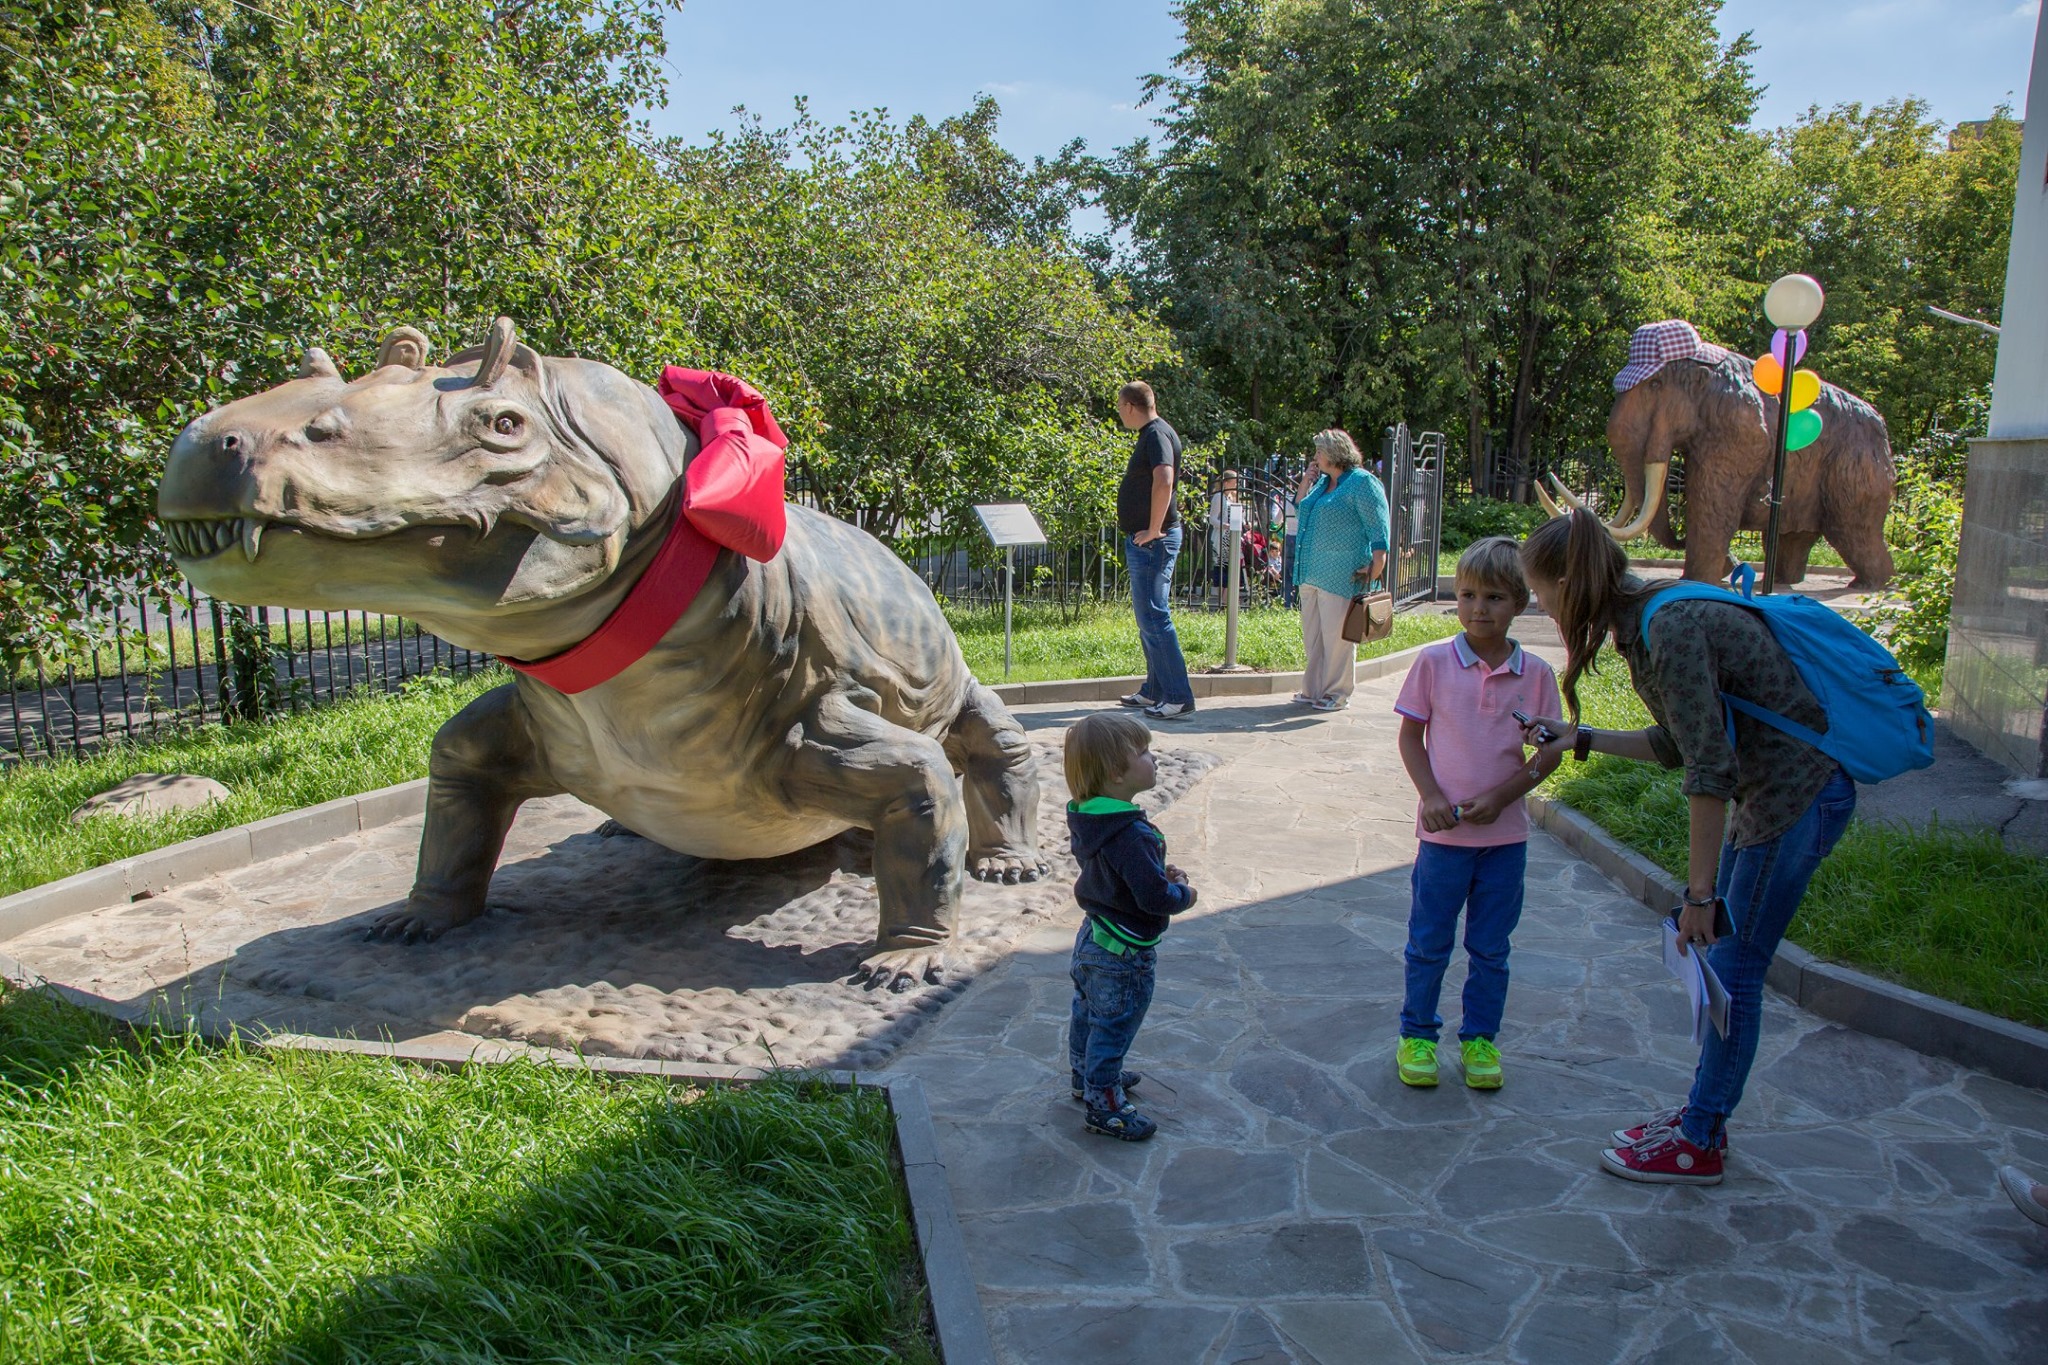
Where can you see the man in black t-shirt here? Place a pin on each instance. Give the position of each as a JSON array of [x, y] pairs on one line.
[[1151, 528]]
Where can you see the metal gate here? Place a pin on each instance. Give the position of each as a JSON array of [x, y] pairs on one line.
[[1414, 470]]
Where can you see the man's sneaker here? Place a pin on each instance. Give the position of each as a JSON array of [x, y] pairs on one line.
[[1664, 1158], [1170, 710], [1302, 699], [1482, 1063], [1137, 699], [1111, 1113], [1330, 703], [1415, 1058], [1125, 1080], [1666, 1121]]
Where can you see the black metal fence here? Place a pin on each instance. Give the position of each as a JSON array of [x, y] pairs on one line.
[[188, 660]]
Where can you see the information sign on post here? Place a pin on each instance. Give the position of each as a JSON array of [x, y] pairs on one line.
[[1009, 524]]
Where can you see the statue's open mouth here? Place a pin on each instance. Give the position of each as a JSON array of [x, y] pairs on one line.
[[203, 539]]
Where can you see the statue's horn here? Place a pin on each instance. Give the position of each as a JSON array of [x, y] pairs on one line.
[[405, 346], [1653, 498], [497, 353]]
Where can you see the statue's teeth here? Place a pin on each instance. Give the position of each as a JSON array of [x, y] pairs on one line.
[[252, 536]]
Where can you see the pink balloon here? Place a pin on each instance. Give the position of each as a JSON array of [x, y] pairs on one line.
[[1798, 342]]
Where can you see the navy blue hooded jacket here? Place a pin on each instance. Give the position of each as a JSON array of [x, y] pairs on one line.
[[1123, 884]]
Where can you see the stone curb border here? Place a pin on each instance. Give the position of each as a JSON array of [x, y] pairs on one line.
[[1999, 1047], [957, 1317], [147, 874], [1205, 684]]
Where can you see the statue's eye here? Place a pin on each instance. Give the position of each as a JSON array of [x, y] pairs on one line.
[[506, 424]]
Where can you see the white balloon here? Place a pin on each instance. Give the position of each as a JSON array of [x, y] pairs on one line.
[[1793, 301]]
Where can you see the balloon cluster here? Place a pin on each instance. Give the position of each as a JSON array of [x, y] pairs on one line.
[[1802, 429]]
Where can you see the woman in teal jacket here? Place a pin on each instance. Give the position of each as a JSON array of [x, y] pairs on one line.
[[1341, 549]]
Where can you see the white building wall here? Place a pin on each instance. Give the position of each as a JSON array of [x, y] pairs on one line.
[[2019, 394]]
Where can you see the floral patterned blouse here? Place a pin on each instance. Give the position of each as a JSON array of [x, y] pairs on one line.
[[1698, 650]]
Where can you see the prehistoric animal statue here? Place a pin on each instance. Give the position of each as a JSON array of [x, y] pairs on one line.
[[1683, 396], [515, 503]]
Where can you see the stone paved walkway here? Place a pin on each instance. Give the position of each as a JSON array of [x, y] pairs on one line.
[[1299, 1204]]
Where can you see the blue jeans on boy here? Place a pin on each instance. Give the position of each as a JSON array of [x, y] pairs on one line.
[[1151, 570], [1111, 995], [1763, 885], [1486, 883]]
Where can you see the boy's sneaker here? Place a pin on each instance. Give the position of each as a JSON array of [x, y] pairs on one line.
[[1170, 710], [1125, 1080], [1482, 1063], [1112, 1114], [1664, 1157], [1415, 1058], [1138, 700], [1666, 1121]]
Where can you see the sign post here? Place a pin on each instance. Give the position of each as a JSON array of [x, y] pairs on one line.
[[1009, 524]]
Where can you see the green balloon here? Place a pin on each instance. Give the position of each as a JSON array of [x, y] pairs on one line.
[[1803, 430]]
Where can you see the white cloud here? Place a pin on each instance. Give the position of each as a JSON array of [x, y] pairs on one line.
[[2028, 10]]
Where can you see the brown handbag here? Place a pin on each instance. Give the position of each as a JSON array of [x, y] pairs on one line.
[[1369, 617]]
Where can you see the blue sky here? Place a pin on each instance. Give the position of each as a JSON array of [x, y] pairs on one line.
[[1063, 69]]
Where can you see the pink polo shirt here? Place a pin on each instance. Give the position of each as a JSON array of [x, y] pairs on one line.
[[1474, 741]]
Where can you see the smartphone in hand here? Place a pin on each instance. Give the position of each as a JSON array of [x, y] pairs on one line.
[[1543, 735]]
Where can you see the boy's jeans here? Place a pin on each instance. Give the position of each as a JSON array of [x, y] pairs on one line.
[[1763, 885], [1111, 995], [1151, 570], [1486, 883]]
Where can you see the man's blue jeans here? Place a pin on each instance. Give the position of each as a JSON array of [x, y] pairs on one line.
[[1151, 570], [1111, 995], [1486, 883], [1763, 885]]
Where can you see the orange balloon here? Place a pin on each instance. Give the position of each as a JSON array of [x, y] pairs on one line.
[[1769, 374], [1805, 389]]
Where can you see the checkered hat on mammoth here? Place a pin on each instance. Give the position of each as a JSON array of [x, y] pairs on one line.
[[1657, 344]]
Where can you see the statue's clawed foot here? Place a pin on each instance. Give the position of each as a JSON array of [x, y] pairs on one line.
[[422, 919], [901, 968], [1006, 865]]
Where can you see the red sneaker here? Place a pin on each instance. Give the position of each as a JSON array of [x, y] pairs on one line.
[[1664, 1157], [1668, 1119]]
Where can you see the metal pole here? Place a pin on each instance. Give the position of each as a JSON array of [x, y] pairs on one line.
[[1233, 546], [1777, 475], [1009, 573]]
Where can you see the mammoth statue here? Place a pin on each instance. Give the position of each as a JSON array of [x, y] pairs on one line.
[[1680, 395], [736, 688]]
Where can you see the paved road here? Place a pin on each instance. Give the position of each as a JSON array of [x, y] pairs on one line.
[[1299, 1204]]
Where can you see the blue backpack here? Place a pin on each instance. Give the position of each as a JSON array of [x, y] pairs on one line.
[[1878, 725]]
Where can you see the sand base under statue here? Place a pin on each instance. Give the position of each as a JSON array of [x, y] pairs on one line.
[[610, 945]]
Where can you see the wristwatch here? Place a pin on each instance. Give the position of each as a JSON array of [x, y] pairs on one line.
[[1582, 746]]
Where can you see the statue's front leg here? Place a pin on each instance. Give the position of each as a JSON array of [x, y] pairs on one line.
[[485, 763], [857, 767]]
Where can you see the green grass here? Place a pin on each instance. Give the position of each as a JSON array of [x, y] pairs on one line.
[[167, 1202], [1946, 911], [356, 745], [1748, 547], [1102, 642]]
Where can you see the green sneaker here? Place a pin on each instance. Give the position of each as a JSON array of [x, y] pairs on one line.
[[1482, 1063], [1416, 1060]]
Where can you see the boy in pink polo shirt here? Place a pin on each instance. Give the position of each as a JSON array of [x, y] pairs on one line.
[[1462, 747]]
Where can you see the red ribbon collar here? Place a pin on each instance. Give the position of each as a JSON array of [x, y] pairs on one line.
[[732, 498]]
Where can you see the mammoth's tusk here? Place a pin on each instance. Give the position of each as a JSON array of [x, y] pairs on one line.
[[1653, 498], [1549, 504], [1566, 496]]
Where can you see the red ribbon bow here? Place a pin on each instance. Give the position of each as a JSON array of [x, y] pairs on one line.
[[732, 497]]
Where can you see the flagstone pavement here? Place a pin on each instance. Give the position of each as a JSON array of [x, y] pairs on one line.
[[1300, 1204]]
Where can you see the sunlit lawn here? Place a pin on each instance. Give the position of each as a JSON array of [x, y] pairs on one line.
[[164, 1202]]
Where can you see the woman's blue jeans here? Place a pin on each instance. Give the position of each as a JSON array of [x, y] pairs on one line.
[[1763, 885], [1151, 570]]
